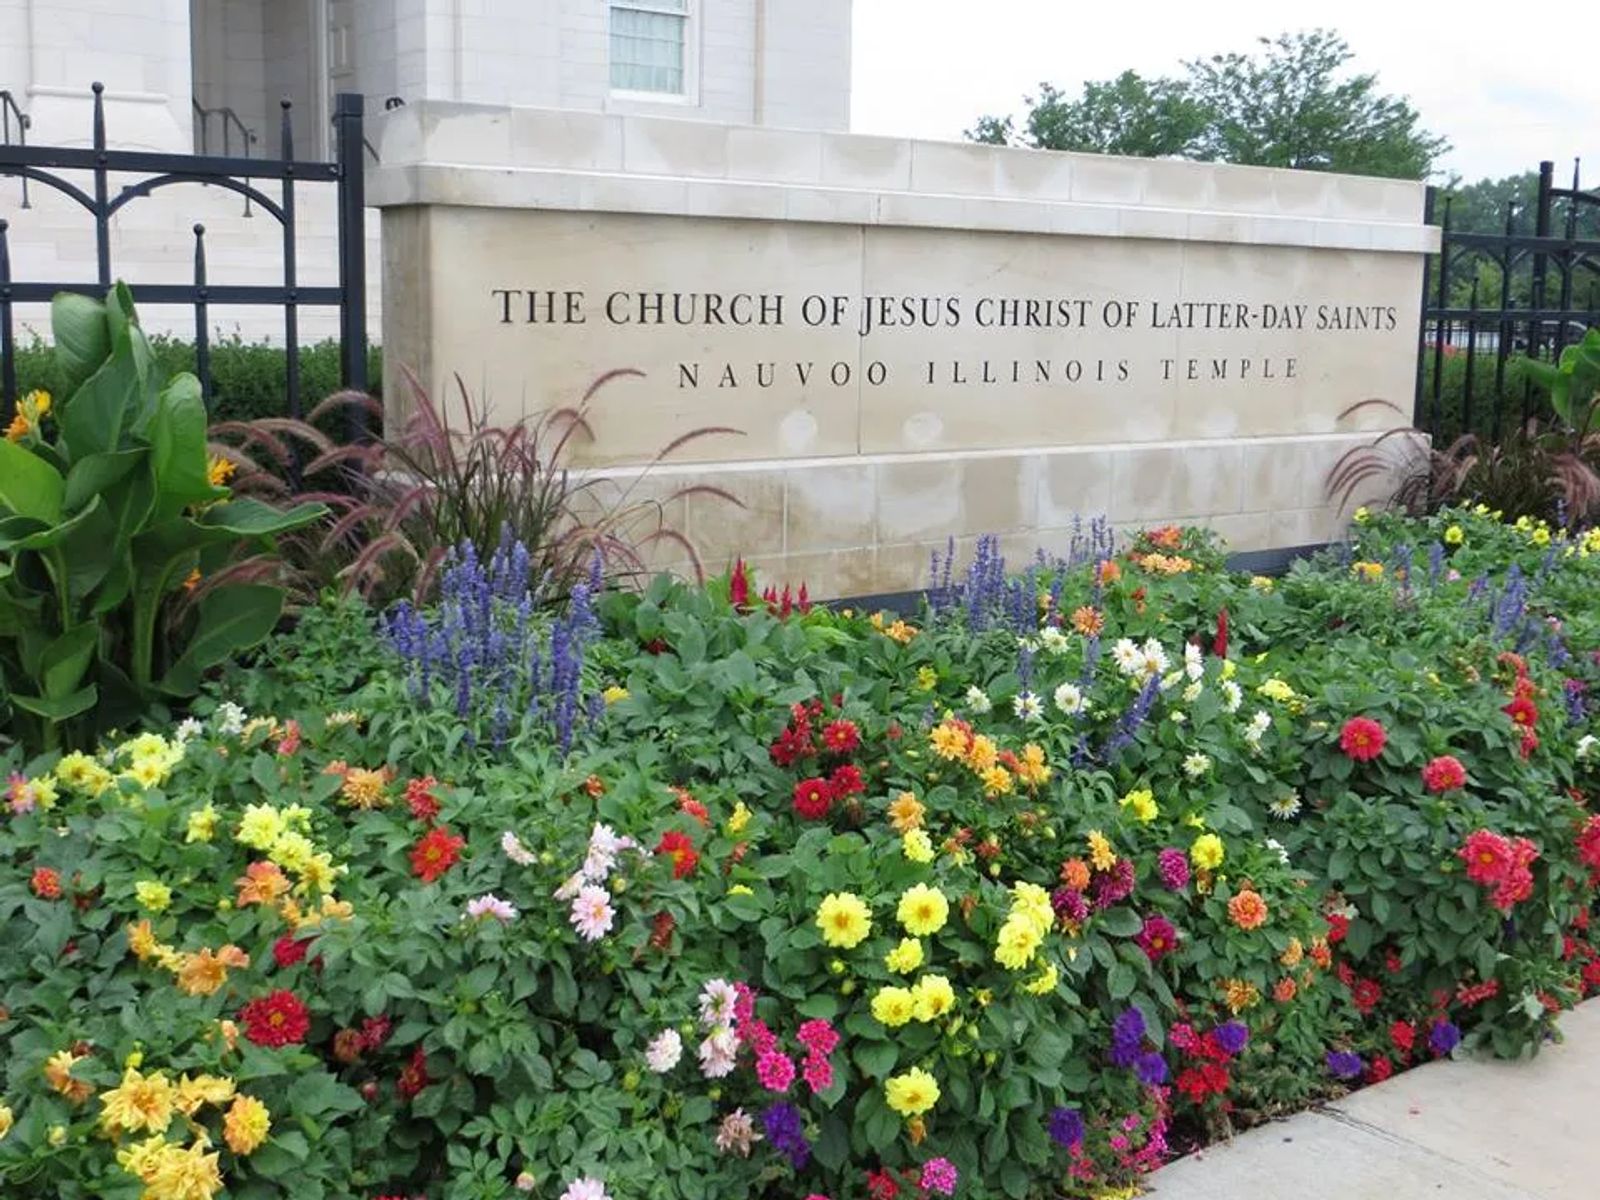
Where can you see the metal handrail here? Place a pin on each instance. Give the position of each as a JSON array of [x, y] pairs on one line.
[[8, 108], [229, 119]]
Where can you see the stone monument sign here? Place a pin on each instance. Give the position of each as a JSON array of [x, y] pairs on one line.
[[915, 340]]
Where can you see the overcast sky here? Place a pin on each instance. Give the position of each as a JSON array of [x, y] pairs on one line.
[[1499, 86]]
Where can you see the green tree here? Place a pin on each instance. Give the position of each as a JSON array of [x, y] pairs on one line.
[[1290, 104], [1146, 118]]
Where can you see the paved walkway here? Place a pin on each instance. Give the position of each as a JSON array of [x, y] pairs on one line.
[[1445, 1131]]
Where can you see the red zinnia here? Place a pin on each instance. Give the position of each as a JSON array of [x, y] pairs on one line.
[[1487, 855], [424, 805], [1444, 774], [1522, 711], [812, 799], [846, 780], [286, 951], [841, 736], [46, 883], [1366, 993], [1362, 739], [435, 853], [680, 849], [277, 1019]]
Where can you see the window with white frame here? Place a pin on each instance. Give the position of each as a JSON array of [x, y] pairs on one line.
[[650, 46]]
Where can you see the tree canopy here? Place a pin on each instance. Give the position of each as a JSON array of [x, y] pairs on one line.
[[1290, 104]]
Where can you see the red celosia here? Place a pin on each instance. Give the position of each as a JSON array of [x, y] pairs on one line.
[[661, 930], [841, 737], [812, 799], [46, 883], [739, 586], [424, 805], [680, 849], [277, 1019], [1219, 644], [1444, 774], [436, 852], [287, 951], [1362, 739]]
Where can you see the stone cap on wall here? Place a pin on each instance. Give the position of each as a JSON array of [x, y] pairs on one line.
[[498, 156]]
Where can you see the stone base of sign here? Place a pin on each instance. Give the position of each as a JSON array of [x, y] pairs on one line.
[[865, 525], [913, 340]]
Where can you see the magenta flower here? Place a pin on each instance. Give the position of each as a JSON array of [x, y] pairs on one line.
[[1158, 938], [939, 1175], [818, 1073], [1173, 867], [817, 1036], [775, 1070]]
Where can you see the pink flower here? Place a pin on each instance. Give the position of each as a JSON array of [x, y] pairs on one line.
[[718, 1054], [775, 1070], [817, 1036], [939, 1175], [1158, 938], [1444, 774], [490, 905], [755, 1034], [1362, 739], [818, 1072], [1173, 867], [592, 914]]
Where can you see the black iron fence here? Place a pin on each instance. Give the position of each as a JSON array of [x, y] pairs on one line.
[[1494, 299], [152, 172]]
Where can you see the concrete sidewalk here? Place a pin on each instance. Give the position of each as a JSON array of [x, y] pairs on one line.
[[1457, 1130]]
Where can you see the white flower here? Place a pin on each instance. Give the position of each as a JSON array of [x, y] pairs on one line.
[[592, 913], [188, 728], [1192, 692], [229, 718], [1232, 695], [719, 1053], [663, 1053], [1196, 765], [1052, 640], [1283, 851], [516, 851], [344, 716], [1069, 699], [1285, 807], [1178, 718], [604, 846], [1259, 724], [490, 905], [1127, 657], [1027, 643], [572, 886], [1153, 659], [586, 1188], [1586, 745], [978, 700], [1027, 706], [1194, 666], [1170, 681], [717, 1000]]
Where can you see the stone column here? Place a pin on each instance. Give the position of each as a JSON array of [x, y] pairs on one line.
[[140, 52]]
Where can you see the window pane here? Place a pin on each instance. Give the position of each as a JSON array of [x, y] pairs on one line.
[[647, 48]]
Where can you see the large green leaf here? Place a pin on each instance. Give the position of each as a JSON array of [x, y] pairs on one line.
[[178, 449], [232, 618], [60, 708], [252, 518], [92, 421], [100, 545], [67, 659], [54, 535], [29, 486], [82, 337], [94, 473]]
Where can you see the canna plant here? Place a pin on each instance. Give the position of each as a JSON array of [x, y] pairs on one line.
[[115, 530]]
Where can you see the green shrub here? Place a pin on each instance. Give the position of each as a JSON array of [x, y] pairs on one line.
[[248, 379]]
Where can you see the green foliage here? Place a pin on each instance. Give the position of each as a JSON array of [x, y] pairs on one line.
[[103, 520], [1327, 905], [248, 379], [1573, 381], [1289, 105]]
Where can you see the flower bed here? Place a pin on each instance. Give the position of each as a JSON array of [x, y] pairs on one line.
[[691, 894]]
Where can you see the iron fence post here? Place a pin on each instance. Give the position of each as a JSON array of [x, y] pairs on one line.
[[351, 142], [8, 345]]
